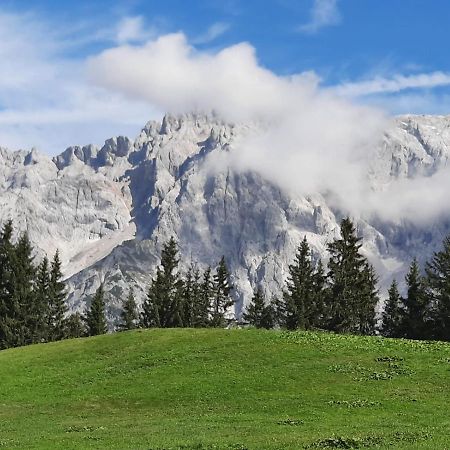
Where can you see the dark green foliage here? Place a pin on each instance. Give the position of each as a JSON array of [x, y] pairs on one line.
[[129, 315], [40, 327], [193, 312], [416, 306], [352, 295], [258, 313], [302, 302], [392, 315], [74, 326], [6, 307], [95, 316], [438, 291], [22, 312], [222, 300], [163, 305], [203, 301], [57, 300]]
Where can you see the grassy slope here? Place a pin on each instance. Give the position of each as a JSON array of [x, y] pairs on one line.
[[231, 389]]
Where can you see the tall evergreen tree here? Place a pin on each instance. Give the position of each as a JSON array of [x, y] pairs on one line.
[[222, 300], [6, 306], [95, 316], [40, 329], [392, 316], [318, 312], [203, 301], [299, 297], [129, 315], [191, 297], [22, 315], [163, 305], [438, 291], [259, 314], [416, 305], [57, 300], [352, 293]]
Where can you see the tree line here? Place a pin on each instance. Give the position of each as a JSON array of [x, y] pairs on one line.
[[341, 297]]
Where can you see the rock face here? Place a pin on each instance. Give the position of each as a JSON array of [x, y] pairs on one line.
[[110, 210]]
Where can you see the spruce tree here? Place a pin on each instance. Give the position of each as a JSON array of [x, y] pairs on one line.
[[222, 300], [129, 313], [438, 291], [203, 302], [259, 314], [23, 314], [41, 304], [299, 299], [57, 300], [416, 305], [95, 316], [74, 326], [191, 297], [163, 304], [318, 311], [392, 316], [6, 306], [352, 293]]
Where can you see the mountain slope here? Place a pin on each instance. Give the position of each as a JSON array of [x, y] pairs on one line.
[[110, 210]]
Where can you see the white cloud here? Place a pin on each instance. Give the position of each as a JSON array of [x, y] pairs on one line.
[[134, 29], [324, 13], [212, 33], [397, 83], [45, 100]]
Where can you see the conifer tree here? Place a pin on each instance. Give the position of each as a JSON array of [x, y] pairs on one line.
[[6, 306], [438, 291], [203, 301], [222, 300], [191, 297], [298, 298], [163, 305], [258, 313], [318, 311], [74, 326], [22, 315], [95, 316], [57, 300], [416, 305], [129, 313], [40, 329], [392, 316], [352, 294]]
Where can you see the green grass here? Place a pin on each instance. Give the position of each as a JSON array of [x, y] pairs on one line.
[[226, 389]]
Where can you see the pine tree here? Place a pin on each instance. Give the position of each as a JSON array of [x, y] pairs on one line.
[[57, 300], [352, 294], [299, 299], [258, 313], [74, 326], [318, 312], [129, 313], [95, 316], [438, 291], [222, 300], [416, 305], [163, 305], [191, 297], [392, 316]]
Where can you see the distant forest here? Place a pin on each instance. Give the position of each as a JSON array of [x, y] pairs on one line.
[[341, 297]]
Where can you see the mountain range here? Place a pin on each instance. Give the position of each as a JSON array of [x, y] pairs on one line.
[[109, 210]]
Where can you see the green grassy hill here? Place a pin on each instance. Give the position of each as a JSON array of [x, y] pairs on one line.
[[226, 389]]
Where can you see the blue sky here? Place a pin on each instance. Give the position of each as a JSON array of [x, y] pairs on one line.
[[387, 53]]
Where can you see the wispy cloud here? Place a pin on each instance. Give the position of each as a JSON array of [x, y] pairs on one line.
[[324, 13], [134, 30], [45, 99], [397, 83], [212, 33]]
